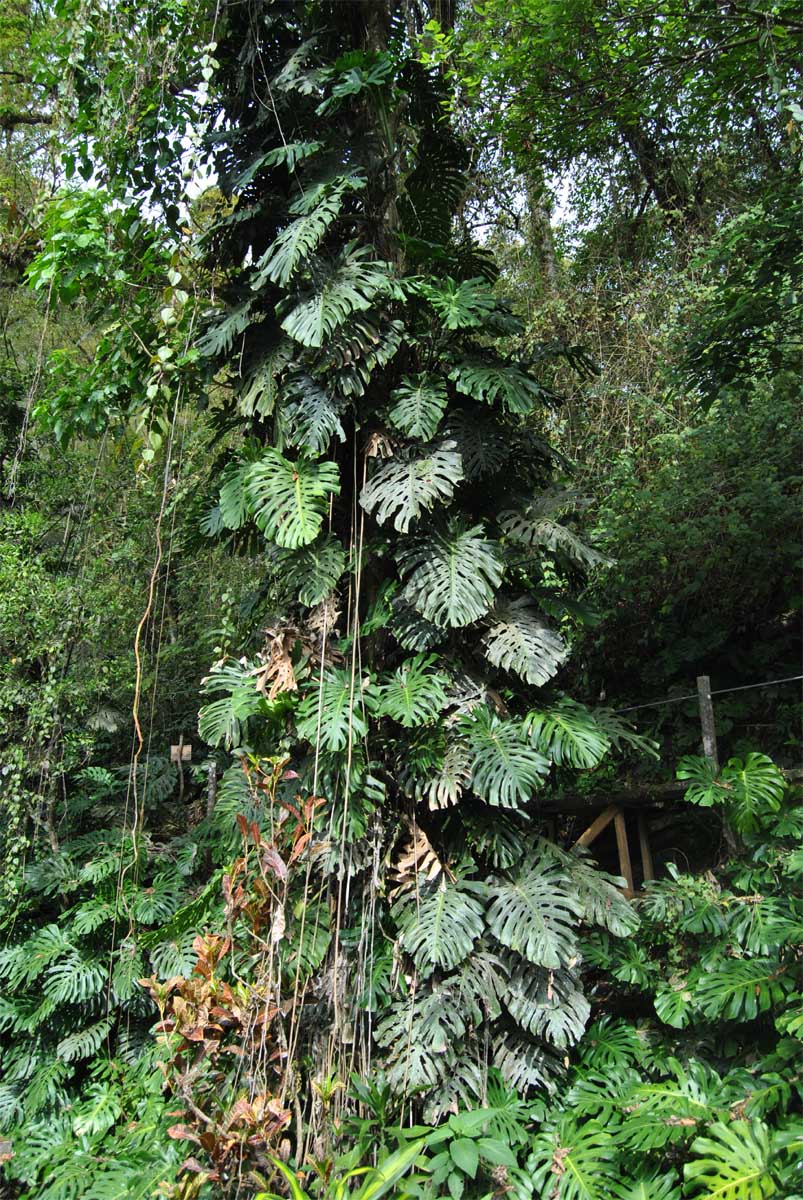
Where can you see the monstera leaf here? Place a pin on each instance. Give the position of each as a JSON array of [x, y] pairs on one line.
[[547, 1004], [460, 305], [534, 911], [574, 1161], [483, 443], [505, 766], [519, 640], [418, 406], [404, 486], [351, 285], [439, 928], [312, 571], [537, 525], [414, 694], [311, 415], [494, 382], [289, 499], [733, 1163], [568, 734], [451, 574], [333, 714], [294, 244]]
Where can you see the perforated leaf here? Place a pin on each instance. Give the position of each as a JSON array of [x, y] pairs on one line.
[[742, 988], [492, 382], [289, 499], [414, 694], [297, 241], [334, 714], [312, 571], [568, 734], [519, 640], [451, 574], [418, 406], [505, 766], [411, 482], [483, 443], [351, 285], [733, 1163], [537, 524], [439, 928], [547, 1004], [460, 305], [534, 911], [310, 415]]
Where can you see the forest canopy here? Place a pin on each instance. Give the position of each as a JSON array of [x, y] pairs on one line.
[[400, 708]]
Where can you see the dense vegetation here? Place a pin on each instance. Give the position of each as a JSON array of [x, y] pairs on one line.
[[399, 412]]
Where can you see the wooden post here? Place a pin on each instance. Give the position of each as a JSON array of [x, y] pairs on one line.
[[707, 720], [625, 866], [644, 843], [597, 825], [710, 747]]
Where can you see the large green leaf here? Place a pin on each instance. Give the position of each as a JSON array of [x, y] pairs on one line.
[[505, 766], [298, 240], [547, 1004], [519, 640], [733, 1163], [289, 499], [310, 415], [418, 405], [411, 482], [351, 285], [574, 1161], [492, 382], [439, 927], [451, 574], [414, 694], [568, 734], [460, 305], [333, 714], [534, 911], [312, 571]]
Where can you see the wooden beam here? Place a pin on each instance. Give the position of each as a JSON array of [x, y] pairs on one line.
[[647, 870], [596, 827], [625, 866]]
